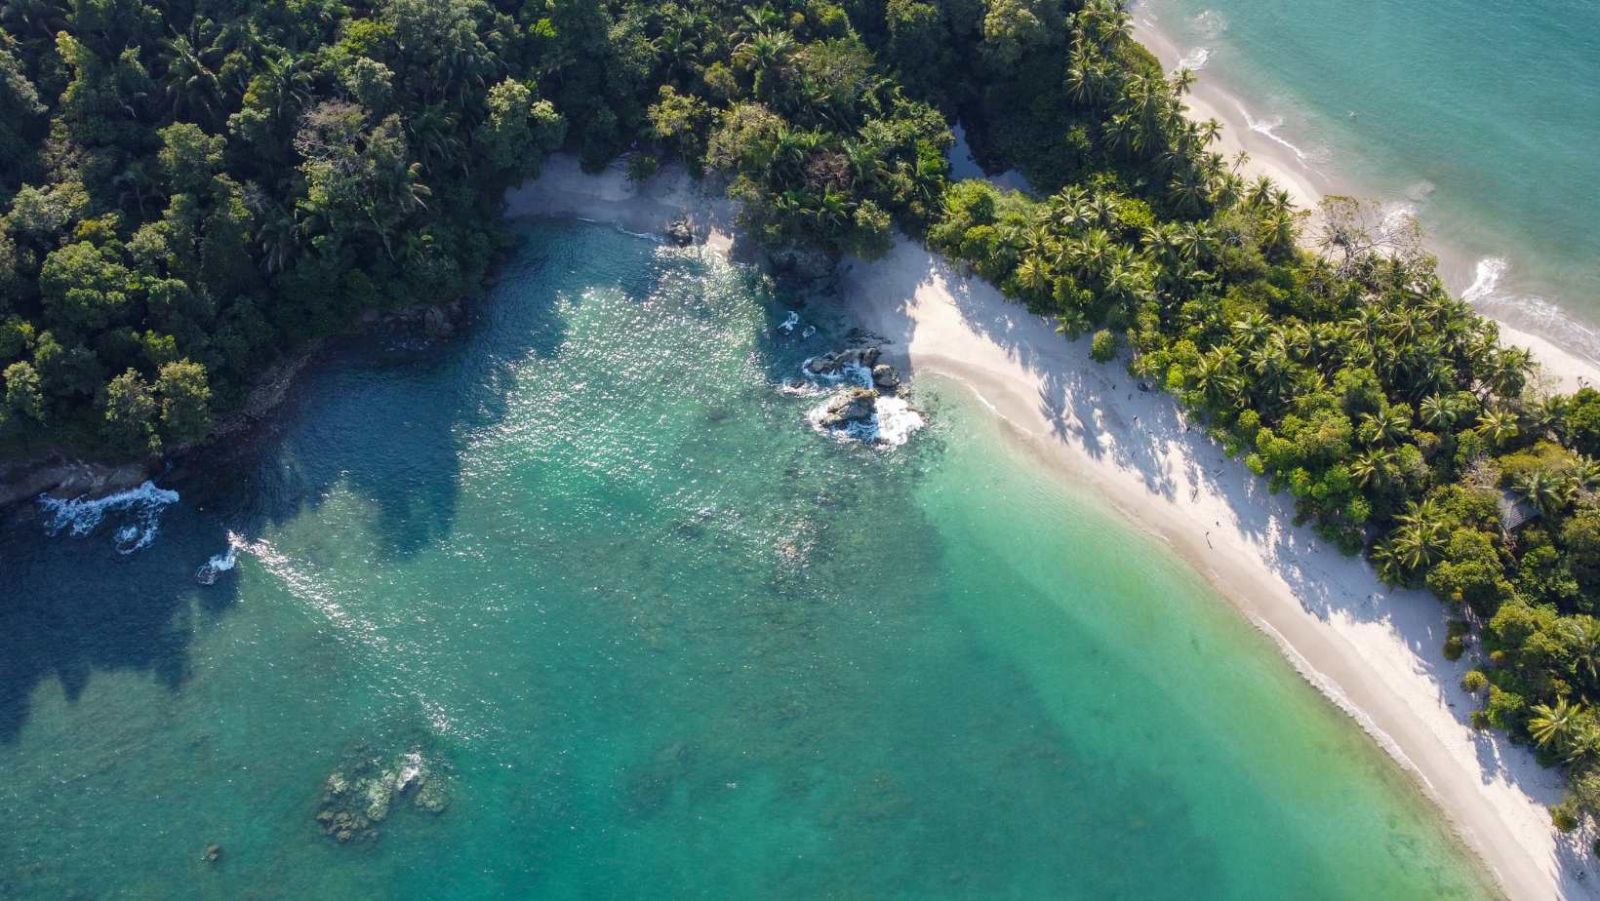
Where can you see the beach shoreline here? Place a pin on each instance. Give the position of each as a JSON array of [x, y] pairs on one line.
[[1565, 369], [1375, 652]]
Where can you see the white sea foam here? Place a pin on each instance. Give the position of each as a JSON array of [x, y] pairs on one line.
[[1528, 312], [1399, 217], [1268, 128], [789, 322], [657, 239], [892, 423], [897, 421], [212, 569], [800, 388], [1486, 278], [140, 507], [852, 373], [1210, 23], [1195, 59]]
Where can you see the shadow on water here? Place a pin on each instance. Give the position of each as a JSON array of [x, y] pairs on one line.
[[388, 420], [385, 421], [75, 606]]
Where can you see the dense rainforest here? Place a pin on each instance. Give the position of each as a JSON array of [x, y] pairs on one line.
[[191, 190]]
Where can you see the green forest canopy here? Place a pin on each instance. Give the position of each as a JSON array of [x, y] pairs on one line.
[[191, 192]]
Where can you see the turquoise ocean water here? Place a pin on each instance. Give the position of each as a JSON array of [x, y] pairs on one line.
[[1483, 117], [588, 570]]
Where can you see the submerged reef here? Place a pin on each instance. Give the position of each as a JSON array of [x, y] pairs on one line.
[[359, 796]]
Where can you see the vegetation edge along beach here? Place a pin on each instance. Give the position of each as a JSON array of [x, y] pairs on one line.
[[191, 196]]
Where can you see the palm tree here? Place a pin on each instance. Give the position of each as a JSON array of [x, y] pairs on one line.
[[1160, 241], [36, 19], [288, 84], [1508, 370], [1103, 207], [866, 163], [432, 131], [1421, 536], [1260, 192], [1252, 329], [1548, 416], [830, 210], [758, 19], [1196, 242], [1438, 412], [1586, 473], [1216, 379], [1387, 426], [1086, 81], [1390, 567], [1544, 489], [1189, 189], [1182, 81], [764, 54], [1554, 725], [1280, 232], [1373, 465], [1069, 209], [192, 87], [1499, 426], [1093, 253], [1126, 282], [1033, 275], [1585, 644], [1119, 132], [278, 238]]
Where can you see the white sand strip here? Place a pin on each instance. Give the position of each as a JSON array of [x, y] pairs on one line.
[[1375, 652], [1562, 369]]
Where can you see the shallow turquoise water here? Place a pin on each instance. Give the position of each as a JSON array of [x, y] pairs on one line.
[[657, 638], [1483, 116]]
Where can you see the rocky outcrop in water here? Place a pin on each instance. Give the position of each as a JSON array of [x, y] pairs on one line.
[[359, 797], [850, 406], [884, 378], [870, 402], [680, 233], [840, 363], [67, 478]]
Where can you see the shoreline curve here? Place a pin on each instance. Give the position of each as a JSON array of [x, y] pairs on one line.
[[1373, 651]]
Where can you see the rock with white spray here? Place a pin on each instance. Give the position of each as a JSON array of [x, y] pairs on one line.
[[852, 405]]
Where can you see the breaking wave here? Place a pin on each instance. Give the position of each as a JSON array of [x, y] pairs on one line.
[[1528, 312], [848, 374], [1485, 279], [1195, 59], [1268, 128], [212, 569], [893, 420], [896, 421], [140, 509], [1210, 23]]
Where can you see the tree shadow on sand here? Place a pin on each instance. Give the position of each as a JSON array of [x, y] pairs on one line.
[[1090, 408]]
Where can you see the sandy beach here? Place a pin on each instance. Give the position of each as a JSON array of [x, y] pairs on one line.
[[1375, 651], [1270, 155]]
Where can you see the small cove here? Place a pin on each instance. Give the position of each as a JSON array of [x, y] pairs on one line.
[[656, 637]]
